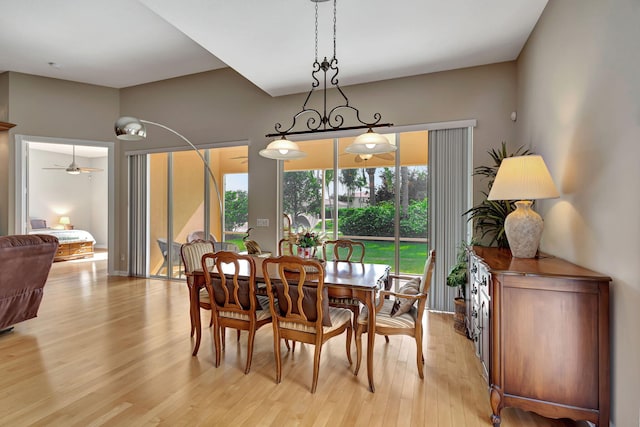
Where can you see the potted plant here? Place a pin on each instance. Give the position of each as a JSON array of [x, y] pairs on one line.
[[457, 278], [307, 243], [489, 215]]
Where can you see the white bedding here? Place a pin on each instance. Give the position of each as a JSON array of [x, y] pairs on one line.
[[66, 236]]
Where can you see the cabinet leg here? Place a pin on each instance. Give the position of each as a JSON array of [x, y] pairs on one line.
[[496, 405]]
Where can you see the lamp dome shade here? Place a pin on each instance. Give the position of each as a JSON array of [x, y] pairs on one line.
[[370, 143], [282, 149], [130, 129]]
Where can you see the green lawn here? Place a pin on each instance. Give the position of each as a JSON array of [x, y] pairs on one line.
[[412, 255]]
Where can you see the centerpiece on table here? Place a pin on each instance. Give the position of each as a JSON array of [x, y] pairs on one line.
[[307, 243]]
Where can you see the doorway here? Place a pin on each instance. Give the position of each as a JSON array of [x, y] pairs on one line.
[[47, 189]]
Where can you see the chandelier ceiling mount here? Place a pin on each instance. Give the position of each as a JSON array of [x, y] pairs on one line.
[[329, 119]]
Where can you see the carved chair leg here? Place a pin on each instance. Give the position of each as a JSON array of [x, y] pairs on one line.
[[252, 334], [349, 334], [420, 357], [316, 367], [358, 348], [276, 350], [216, 343]]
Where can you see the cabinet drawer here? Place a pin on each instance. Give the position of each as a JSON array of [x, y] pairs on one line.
[[81, 248]]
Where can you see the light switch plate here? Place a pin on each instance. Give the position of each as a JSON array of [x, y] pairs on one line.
[[262, 222]]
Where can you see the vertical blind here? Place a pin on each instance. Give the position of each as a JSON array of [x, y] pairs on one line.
[[450, 170], [138, 201]]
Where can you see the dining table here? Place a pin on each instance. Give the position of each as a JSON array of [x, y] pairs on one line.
[[342, 279]]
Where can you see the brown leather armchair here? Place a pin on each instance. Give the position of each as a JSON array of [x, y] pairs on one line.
[[25, 261]]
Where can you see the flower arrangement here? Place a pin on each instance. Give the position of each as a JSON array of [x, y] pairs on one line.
[[309, 239]]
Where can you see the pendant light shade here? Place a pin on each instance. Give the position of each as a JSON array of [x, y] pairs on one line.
[[130, 129], [370, 143], [282, 149]]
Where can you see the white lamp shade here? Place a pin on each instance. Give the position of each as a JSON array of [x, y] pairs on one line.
[[370, 143], [282, 149], [523, 178], [130, 129], [64, 220]]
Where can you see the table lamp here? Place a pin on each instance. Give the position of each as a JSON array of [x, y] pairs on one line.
[[64, 220], [523, 178]]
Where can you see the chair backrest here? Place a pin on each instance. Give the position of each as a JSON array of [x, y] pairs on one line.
[[230, 292], [192, 253], [286, 247], [427, 275], [199, 235], [343, 250], [298, 286]]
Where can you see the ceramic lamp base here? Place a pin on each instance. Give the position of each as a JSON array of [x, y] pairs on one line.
[[523, 228]]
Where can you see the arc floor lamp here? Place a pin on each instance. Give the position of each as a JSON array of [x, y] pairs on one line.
[[134, 129]]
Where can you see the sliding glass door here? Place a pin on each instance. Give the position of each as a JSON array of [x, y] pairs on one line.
[[380, 200], [183, 204]]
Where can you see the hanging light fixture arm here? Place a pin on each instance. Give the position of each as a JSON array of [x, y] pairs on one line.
[[206, 164], [330, 119], [326, 121]]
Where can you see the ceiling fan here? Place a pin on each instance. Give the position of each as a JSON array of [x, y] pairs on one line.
[[364, 157], [245, 159], [73, 168]]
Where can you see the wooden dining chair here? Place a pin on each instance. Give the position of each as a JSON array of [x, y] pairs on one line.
[[233, 299], [398, 314], [286, 247], [347, 251], [343, 250], [191, 254], [298, 302]]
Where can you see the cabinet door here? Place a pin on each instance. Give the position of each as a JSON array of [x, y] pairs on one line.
[[484, 341], [550, 333]]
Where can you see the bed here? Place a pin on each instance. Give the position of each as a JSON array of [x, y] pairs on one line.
[[73, 244]]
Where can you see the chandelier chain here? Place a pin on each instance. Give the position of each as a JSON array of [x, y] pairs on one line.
[[316, 58], [334, 28], [327, 118]]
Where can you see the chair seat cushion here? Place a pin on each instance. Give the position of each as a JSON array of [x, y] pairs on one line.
[[344, 301], [260, 315], [339, 316], [384, 318], [204, 295]]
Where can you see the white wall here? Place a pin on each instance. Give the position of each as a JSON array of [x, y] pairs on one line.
[[579, 107], [83, 197]]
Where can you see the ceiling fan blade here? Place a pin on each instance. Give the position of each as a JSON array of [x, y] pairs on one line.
[[54, 169], [384, 156], [89, 170], [239, 157], [358, 159]]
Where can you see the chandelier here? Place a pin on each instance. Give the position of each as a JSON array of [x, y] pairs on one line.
[[328, 119]]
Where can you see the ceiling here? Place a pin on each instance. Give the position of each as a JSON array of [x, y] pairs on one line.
[[81, 150], [121, 43]]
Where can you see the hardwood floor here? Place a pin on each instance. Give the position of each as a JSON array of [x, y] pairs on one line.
[[116, 351]]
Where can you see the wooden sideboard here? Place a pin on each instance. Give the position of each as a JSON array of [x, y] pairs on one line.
[[541, 329], [73, 250]]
